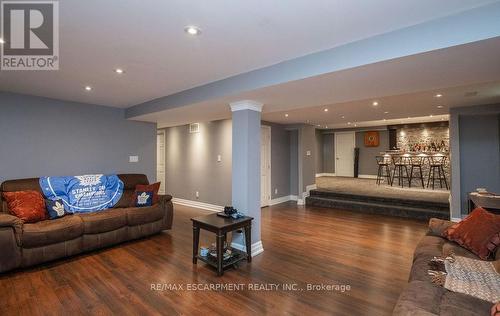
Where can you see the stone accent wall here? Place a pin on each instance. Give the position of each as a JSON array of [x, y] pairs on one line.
[[407, 138]]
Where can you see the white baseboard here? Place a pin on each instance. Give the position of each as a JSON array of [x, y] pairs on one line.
[[257, 247], [367, 176], [302, 199], [282, 199], [325, 175], [293, 198], [196, 204]]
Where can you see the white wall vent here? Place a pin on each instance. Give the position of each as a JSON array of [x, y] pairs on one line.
[[194, 127]]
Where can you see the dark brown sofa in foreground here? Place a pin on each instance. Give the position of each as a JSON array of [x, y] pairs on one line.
[[27, 244], [421, 297]]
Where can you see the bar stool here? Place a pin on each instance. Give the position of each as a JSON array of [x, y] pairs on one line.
[[383, 163], [437, 162], [400, 164], [416, 162]]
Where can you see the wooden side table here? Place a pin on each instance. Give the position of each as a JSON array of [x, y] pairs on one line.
[[221, 226]]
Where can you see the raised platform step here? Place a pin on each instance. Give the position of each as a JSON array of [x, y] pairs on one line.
[[379, 205]]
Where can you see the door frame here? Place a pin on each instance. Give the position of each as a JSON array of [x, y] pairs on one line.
[[353, 133], [267, 130], [162, 132]]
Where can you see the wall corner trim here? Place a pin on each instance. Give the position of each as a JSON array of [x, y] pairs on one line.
[[200, 205], [246, 105], [257, 247]]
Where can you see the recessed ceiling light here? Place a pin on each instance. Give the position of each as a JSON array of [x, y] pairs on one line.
[[119, 71], [348, 123], [409, 117], [438, 95], [326, 126], [88, 88], [440, 106], [442, 119], [375, 103], [355, 125], [2, 41], [385, 119], [326, 110], [386, 112], [342, 117], [318, 125], [286, 115], [192, 30], [430, 115]]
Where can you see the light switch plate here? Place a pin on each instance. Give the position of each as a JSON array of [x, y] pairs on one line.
[[219, 158], [133, 159], [308, 153]]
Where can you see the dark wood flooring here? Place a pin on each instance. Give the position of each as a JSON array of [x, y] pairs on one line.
[[303, 245]]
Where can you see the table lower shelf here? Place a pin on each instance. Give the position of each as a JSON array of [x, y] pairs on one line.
[[237, 256]]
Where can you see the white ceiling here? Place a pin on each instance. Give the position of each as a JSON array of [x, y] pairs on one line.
[[403, 87], [147, 40]]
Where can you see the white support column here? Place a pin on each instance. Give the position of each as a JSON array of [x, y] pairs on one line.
[[246, 167]]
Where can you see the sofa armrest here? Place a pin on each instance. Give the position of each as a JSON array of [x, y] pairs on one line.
[[438, 226], [7, 220], [167, 205], [11, 229]]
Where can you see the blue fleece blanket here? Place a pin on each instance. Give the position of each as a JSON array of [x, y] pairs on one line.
[[84, 194]]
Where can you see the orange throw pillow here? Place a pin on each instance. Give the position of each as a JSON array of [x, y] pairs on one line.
[[495, 310], [27, 205], [155, 187], [478, 232]]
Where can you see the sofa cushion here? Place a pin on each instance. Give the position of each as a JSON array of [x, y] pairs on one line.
[[457, 250], [29, 205], [419, 298], [126, 199], [103, 221], [143, 215], [51, 231], [475, 232], [429, 246], [425, 298]]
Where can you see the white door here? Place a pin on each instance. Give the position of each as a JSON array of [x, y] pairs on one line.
[[265, 166], [344, 154], [160, 160]]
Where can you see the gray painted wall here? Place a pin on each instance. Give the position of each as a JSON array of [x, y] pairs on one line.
[[319, 151], [191, 162], [294, 162], [280, 160], [307, 163], [479, 154], [367, 162], [328, 153], [474, 152], [41, 137]]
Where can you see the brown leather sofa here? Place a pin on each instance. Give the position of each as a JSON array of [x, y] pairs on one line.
[[422, 297], [26, 244]]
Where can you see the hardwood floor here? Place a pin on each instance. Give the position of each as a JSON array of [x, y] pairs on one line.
[[372, 254]]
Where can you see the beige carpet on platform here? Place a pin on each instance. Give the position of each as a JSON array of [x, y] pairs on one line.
[[369, 187]]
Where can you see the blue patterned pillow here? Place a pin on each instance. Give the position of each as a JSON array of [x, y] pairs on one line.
[[55, 209], [144, 198]]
